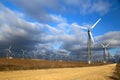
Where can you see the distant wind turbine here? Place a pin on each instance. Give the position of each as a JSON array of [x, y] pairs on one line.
[[43, 54], [34, 53], [50, 55], [8, 52], [90, 39], [66, 56], [104, 51], [23, 53]]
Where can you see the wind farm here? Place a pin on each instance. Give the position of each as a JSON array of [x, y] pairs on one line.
[[53, 38]]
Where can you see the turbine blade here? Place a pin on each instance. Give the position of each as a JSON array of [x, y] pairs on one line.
[[102, 45], [83, 27], [108, 44], [76, 25], [10, 51], [95, 23], [9, 47], [91, 37], [22, 50]]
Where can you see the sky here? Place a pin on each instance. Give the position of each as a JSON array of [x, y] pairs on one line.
[[54, 25]]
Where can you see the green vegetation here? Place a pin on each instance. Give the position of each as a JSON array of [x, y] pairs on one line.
[[25, 64]]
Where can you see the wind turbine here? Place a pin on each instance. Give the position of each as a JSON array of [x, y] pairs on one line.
[[43, 54], [8, 51], [104, 51], [23, 53], [35, 52], [50, 56], [66, 57], [90, 39]]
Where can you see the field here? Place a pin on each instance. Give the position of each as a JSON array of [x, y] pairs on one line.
[[26, 69], [81, 73], [25, 64]]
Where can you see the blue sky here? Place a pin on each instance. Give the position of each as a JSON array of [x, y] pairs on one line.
[[51, 24]]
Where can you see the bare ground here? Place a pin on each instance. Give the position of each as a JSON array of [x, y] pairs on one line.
[[84, 73]]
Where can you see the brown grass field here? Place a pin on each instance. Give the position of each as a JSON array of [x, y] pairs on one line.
[[25, 64], [82, 73], [26, 69]]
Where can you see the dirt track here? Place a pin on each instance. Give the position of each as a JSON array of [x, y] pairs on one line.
[[86, 73]]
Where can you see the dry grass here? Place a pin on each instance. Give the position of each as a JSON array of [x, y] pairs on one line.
[[84, 73], [24, 64], [116, 75]]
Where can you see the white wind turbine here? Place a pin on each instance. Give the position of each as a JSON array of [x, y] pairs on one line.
[[50, 56], [23, 53], [104, 51], [8, 51], [43, 54], [90, 39], [34, 53]]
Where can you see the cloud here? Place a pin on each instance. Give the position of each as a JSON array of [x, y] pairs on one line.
[[89, 6], [15, 30], [57, 18], [43, 34], [39, 9], [20, 33], [51, 11], [109, 37], [112, 37], [101, 7], [63, 52]]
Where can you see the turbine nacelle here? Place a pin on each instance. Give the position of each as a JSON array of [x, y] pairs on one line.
[[105, 46], [23, 51], [89, 29]]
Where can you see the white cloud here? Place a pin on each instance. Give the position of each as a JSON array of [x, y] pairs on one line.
[[53, 30], [52, 10], [101, 7], [15, 28], [112, 37], [19, 31], [57, 18], [63, 52], [38, 9], [90, 6]]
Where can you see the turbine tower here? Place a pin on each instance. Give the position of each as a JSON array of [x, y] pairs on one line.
[[104, 51], [34, 53], [109, 57], [90, 39]]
